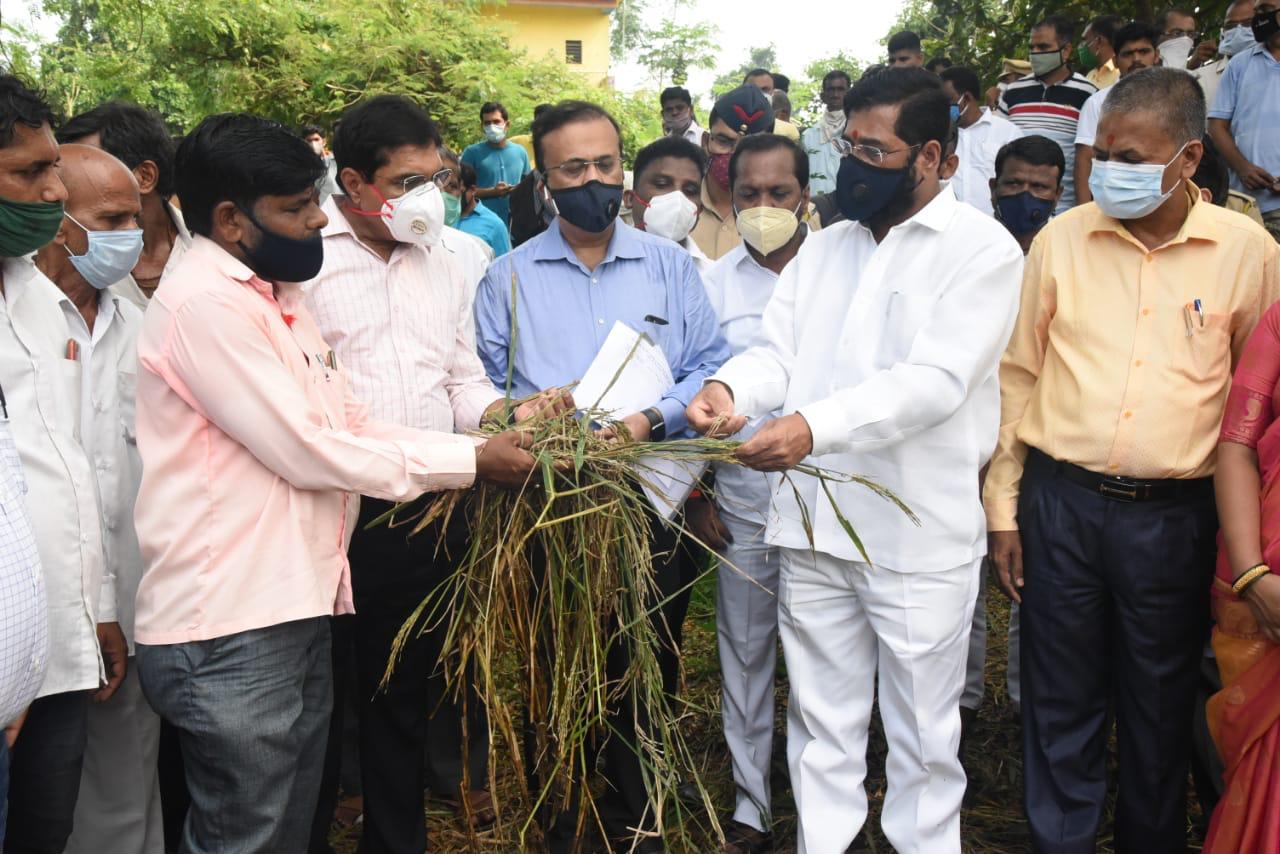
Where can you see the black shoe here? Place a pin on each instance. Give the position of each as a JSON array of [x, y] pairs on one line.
[[740, 838]]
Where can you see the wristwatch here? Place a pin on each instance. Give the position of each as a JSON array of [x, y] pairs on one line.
[[657, 424]]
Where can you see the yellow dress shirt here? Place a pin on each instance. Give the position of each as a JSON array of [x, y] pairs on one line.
[[1110, 366], [1104, 75]]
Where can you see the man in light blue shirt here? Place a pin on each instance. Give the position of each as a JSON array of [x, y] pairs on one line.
[[479, 221], [1244, 118], [499, 164], [587, 271]]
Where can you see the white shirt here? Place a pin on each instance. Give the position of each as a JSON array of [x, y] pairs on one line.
[[403, 328], [890, 352], [693, 133], [824, 162], [128, 287], [738, 289], [472, 254], [42, 390], [1090, 114], [977, 148], [1209, 76], [108, 433], [701, 262], [24, 612]]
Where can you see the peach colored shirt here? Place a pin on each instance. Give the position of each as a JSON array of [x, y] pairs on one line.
[[250, 441]]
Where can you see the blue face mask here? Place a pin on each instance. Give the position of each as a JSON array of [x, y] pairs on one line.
[[956, 110], [110, 257], [1024, 213], [1130, 190], [863, 190], [592, 206], [1236, 40]]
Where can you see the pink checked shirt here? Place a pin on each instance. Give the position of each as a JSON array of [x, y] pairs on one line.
[[250, 441]]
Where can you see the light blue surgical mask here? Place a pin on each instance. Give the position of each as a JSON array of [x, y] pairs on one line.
[[1130, 190], [495, 132], [110, 257], [1235, 40]]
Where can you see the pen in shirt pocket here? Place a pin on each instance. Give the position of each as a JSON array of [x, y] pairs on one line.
[[655, 320]]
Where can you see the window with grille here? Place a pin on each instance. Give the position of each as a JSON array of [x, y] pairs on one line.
[[573, 52]]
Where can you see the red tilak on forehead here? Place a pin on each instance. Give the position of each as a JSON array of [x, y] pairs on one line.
[[1111, 138], [748, 118]]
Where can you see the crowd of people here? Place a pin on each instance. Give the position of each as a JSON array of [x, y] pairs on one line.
[[1041, 310]]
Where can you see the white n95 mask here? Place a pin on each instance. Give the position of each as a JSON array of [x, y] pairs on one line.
[[670, 215], [417, 216]]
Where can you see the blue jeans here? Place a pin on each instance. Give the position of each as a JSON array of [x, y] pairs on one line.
[[252, 713]]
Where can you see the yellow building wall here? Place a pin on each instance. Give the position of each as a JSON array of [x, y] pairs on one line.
[[543, 30]]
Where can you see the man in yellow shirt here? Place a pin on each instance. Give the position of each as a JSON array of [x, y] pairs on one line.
[[1099, 499], [1099, 50]]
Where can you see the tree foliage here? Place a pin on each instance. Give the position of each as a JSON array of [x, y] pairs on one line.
[[672, 49], [297, 61], [980, 34], [757, 57]]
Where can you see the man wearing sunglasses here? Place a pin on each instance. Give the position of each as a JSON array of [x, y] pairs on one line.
[[395, 305], [572, 283]]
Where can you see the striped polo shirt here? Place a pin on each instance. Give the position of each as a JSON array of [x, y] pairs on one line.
[[1053, 112]]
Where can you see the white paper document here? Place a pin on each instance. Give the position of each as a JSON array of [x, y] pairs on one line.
[[629, 374]]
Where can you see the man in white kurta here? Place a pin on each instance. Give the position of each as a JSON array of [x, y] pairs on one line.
[[881, 346]]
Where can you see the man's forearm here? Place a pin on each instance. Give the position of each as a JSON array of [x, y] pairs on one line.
[[1220, 133]]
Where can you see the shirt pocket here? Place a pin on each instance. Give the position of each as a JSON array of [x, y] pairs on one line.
[[65, 389], [1208, 347], [905, 315]]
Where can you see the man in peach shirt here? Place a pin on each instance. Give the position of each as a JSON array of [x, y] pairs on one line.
[[1099, 498], [250, 443]]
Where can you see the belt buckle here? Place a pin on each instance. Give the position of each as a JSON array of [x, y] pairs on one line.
[[1119, 488]]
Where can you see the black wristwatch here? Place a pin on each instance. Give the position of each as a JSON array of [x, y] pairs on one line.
[[657, 424]]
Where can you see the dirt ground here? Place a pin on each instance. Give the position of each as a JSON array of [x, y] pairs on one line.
[[990, 822]]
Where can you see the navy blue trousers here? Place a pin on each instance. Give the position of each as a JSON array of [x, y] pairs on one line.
[[1114, 615]]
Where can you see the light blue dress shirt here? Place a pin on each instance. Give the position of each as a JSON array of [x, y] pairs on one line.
[[564, 313], [1249, 98]]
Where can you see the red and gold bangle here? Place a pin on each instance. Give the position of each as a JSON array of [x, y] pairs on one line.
[[1248, 578]]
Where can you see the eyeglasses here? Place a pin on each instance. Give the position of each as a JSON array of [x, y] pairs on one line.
[[869, 153], [574, 169], [1177, 34], [1229, 26], [413, 182]]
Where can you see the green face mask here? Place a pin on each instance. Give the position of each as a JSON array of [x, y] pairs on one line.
[[452, 209], [1088, 60], [26, 226]]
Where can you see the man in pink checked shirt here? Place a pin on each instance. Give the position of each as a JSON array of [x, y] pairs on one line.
[[250, 442]]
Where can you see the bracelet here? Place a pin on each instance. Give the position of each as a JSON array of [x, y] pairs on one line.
[[1248, 578]]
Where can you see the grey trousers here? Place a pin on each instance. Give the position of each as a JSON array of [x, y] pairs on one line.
[[974, 687], [252, 714]]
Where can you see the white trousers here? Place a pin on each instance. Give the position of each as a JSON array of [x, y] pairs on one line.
[[747, 628], [118, 811], [839, 622], [974, 677]]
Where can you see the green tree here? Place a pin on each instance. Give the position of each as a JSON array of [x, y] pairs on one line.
[[981, 33], [757, 57], [672, 49], [806, 100], [297, 60], [627, 30]]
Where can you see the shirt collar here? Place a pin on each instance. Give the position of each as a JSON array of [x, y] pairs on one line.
[[709, 206], [937, 214], [625, 243], [180, 224], [226, 264], [1199, 224]]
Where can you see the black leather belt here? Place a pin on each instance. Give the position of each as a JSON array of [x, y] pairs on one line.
[[1125, 489]]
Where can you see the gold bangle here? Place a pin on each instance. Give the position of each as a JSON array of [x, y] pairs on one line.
[[1248, 577]]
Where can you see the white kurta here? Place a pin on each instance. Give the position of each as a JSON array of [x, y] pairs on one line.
[[890, 352], [824, 160], [738, 289], [42, 392], [977, 148]]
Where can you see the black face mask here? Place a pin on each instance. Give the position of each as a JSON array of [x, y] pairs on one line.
[[865, 193], [592, 206], [277, 258], [1265, 25]]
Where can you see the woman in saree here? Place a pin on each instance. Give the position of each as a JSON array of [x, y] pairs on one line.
[[1244, 717]]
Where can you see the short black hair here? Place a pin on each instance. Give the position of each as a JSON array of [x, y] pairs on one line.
[[1135, 32], [1106, 26], [1174, 10], [1212, 173], [467, 175], [564, 113], [1036, 150], [836, 74], [540, 109], [311, 130], [905, 40], [938, 63], [756, 72], [963, 80], [129, 133], [668, 146], [925, 112], [675, 93], [373, 128], [759, 143], [19, 104], [493, 107], [1063, 27], [780, 81], [240, 158]]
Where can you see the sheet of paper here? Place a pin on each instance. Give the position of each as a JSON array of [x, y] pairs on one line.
[[667, 483], [628, 374]]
